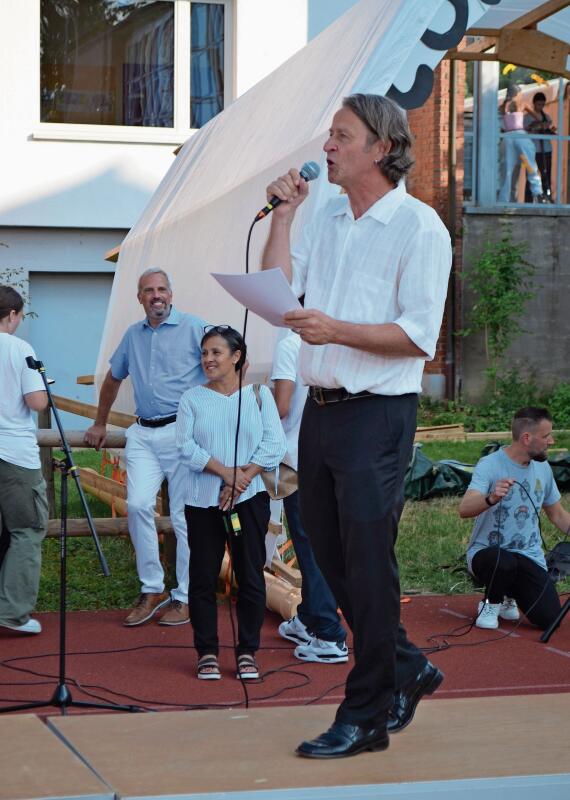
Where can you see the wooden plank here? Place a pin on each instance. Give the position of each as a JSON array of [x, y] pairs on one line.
[[452, 426], [35, 763], [112, 492], [51, 438], [487, 435], [85, 380], [478, 46], [447, 432], [89, 477], [116, 503], [290, 574], [459, 55], [105, 526], [475, 31], [89, 410], [113, 255], [533, 49], [450, 740], [536, 15]]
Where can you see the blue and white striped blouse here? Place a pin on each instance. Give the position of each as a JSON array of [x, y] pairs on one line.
[[205, 428]]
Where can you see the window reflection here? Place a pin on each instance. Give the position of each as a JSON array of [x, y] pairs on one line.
[[107, 62], [207, 66]]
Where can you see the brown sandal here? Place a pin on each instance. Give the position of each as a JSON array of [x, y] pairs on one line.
[[208, 668], [247, 667]]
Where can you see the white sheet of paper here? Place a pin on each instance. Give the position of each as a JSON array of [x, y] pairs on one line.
[[266, 293]]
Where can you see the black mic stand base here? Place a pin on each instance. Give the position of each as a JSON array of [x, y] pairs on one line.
[[553, 625], [63, 700]]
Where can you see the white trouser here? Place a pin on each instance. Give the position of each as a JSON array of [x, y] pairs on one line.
[[519, 147], [151, 456]]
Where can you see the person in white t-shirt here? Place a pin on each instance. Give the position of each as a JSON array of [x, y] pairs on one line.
[[316, 628], [23, 502]]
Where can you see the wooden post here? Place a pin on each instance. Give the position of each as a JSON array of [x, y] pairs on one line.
[[44, 421]]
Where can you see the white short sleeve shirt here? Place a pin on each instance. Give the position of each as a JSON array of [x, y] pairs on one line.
[[391, 264], [18, 443], [286, 367]]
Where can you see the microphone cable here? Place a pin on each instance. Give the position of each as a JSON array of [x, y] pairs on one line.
[[231, 517]]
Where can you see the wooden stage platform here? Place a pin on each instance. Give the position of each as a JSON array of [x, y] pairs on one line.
[[499, 748]]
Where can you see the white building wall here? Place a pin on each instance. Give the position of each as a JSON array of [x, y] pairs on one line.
[[67, 183]]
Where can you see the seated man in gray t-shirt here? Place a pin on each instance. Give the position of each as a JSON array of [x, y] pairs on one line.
[[508, 489]]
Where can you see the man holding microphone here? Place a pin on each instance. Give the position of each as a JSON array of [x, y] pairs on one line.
[[373, 265]]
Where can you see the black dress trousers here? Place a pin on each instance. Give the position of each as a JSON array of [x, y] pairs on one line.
[[353, 457]]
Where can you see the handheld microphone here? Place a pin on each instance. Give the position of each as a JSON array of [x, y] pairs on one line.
[[309, 171]]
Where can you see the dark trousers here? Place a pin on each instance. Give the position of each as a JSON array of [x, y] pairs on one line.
[[353, 457], [207, 539], [544, 164], [517, 576], [318, 608]]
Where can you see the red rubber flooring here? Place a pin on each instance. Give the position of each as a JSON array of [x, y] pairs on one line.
[[154, 666]]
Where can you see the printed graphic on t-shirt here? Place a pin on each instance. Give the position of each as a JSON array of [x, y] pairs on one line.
[[496, 538], [517, 542], [524, 489], [538, 491], [522, 513], [501, 513]]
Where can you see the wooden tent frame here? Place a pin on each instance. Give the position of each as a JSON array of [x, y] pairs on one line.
[[519, 42]]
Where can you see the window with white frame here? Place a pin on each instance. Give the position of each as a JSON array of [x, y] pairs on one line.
[[133, 63], [517, 137]]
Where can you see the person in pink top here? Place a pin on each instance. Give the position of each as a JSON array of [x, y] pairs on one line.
[[519, 147]]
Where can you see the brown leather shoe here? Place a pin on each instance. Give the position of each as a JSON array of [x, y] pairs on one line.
[[176, 614], [146, 607]]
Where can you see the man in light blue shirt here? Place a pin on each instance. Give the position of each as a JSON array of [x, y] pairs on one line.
[[506, 494], [161, 354]]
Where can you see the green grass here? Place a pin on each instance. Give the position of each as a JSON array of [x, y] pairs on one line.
[[431, 546], [87, 588]]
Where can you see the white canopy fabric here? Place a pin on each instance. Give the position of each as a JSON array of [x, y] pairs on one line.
[[197, 220]]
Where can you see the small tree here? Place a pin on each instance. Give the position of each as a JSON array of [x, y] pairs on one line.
[[500, 281], [14, 277]]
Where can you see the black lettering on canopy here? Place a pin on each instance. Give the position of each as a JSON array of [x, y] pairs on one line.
[[451, 37], [418, 94]]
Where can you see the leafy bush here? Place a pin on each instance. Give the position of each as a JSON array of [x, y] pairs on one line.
[[510, 393], [558, 403]]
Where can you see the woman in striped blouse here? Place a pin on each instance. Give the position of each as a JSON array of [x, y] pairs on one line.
[[205, 435]]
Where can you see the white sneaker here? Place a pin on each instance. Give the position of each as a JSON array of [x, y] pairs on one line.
[[508, 609], [488, 615], [322, 651], [295, 631], [31, 626]]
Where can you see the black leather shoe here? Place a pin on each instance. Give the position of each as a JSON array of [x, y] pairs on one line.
[[407, 699], [343, 740]]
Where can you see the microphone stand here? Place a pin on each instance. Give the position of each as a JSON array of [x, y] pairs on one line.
[[61, 697], [553, 625]]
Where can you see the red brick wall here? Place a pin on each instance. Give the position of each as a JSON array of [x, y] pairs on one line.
[[429, 179]]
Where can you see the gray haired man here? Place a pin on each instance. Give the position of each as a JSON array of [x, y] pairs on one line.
[[161, 354]]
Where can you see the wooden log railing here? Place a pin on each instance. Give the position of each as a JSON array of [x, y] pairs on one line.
[[89, 410], [105, 526], [51, 438]]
